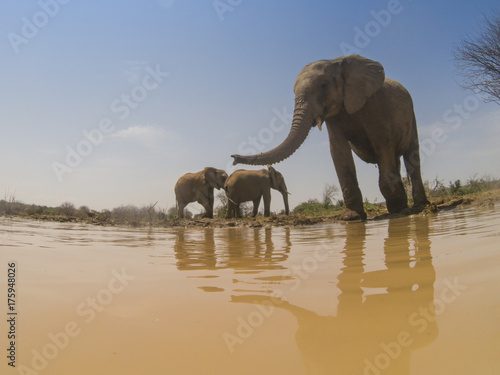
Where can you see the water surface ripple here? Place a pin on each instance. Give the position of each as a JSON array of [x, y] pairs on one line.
[[414, 295]]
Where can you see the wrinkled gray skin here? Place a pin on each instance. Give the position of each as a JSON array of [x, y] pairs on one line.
[[364, 112], [199, 187], [243, 186]]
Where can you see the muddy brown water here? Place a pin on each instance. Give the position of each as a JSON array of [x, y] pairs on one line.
[[414, 295]]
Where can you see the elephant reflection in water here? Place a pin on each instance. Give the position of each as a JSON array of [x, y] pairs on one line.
[[236, 248], [374, 333]]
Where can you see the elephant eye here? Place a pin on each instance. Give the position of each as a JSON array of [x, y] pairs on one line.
[[324, 85]]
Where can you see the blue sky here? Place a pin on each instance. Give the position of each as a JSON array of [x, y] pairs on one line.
[[165, 87]]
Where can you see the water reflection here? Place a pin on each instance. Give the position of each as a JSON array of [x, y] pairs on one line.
[[373, 331], [236, 248]]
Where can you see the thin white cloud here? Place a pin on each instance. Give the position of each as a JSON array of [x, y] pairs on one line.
[[480, 124], [147, 135], [490, 121]]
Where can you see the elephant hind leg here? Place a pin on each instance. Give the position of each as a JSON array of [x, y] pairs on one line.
[[237, 211], [230, 210], [209, 210], [412, 164], [391, 186], [233, 210], [266, 197]]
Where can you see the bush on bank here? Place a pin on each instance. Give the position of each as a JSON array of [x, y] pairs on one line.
[[151, 215]]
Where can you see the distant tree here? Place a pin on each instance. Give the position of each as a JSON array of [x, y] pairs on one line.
[[188, 214], [172, 213], [126, 214], [407, 185], [329, 192], [222, 197], [151, 212], [221, 209], [106, 214], [435, 188], [162, 214], [66, 209], [478, 57], [83, 212]]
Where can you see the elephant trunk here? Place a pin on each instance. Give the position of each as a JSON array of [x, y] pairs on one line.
[[285, 200], [301, 124]]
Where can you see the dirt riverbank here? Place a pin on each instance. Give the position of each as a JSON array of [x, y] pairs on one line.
[[484, 199]]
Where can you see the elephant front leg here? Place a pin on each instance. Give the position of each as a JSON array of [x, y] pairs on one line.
[[256, 203], [207, 201], [267, 203], [346, 173]]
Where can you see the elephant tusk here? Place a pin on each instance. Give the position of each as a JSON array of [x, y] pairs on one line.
[[319, 122]]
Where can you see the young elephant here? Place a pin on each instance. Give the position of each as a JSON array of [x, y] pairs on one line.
[[199, 187], [243, 186]]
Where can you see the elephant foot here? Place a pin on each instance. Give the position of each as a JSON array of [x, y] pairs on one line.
[[428, 208], [396, 206], [420, 206], [350, 215]]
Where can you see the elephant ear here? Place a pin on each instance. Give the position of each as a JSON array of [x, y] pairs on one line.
[[272, 176], [362, 78], [209, 176]]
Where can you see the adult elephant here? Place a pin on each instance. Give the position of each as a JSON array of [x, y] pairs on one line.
[[364, 112], [199, 187], [243, 186]]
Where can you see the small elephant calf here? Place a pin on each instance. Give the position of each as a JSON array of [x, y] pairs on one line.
[[199, 187], [243, 186]]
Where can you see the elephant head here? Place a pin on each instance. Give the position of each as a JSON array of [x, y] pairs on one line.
[[322, 90], [214, 177], [278, 183]]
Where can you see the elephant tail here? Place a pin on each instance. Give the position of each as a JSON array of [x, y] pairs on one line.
[[412, 155]]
